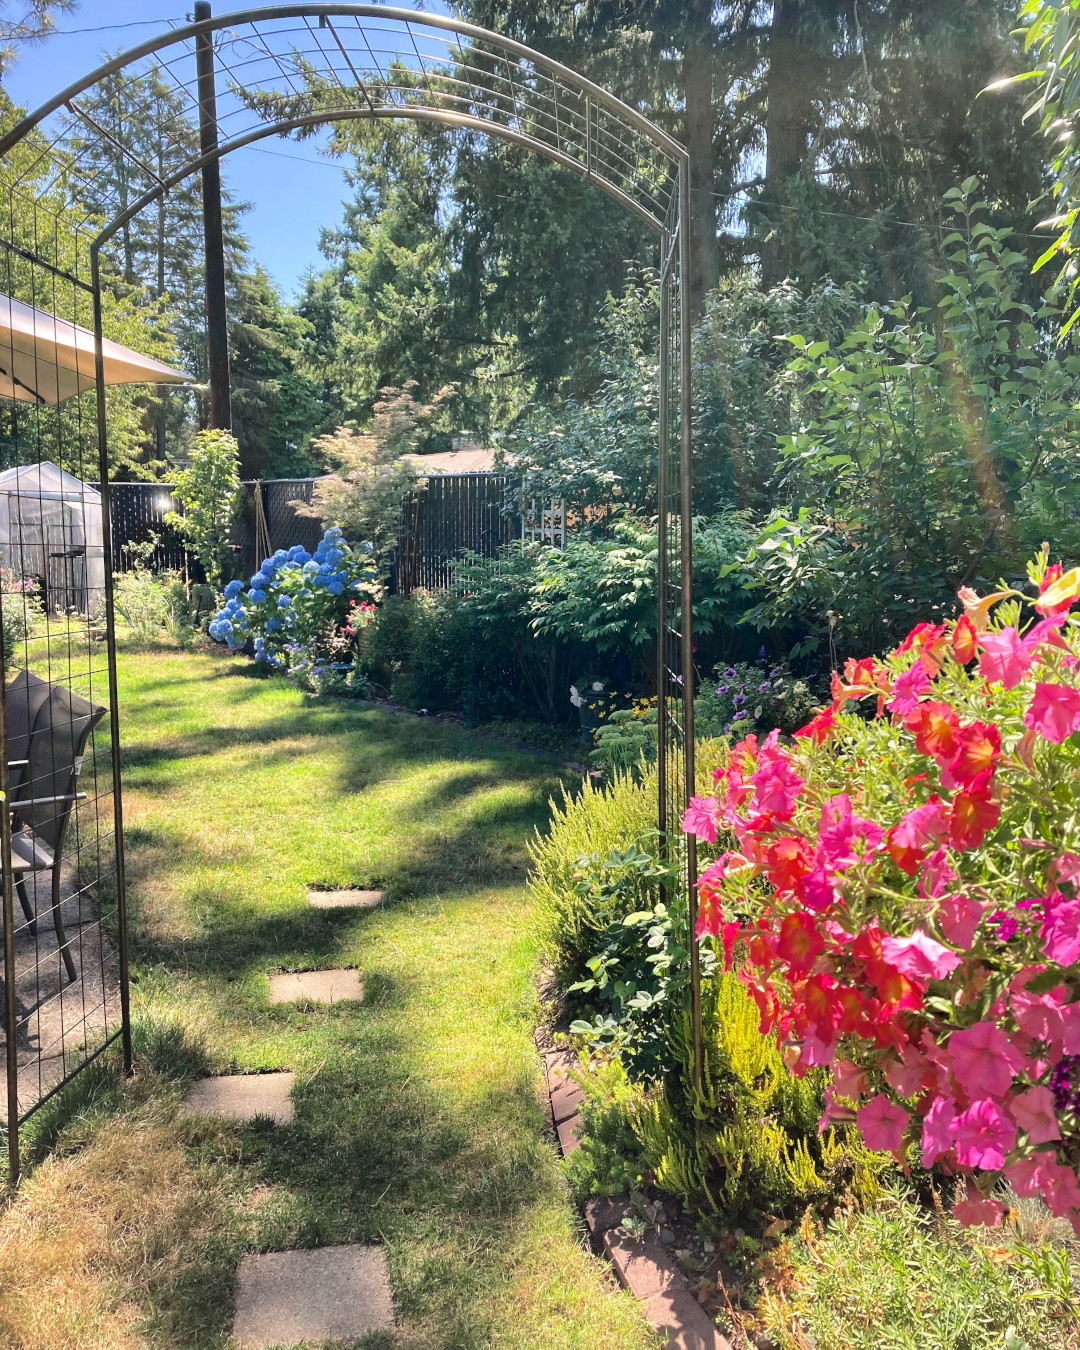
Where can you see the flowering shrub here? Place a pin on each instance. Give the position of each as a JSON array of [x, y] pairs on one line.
[[744, 697], [302, 612], [904, 887]]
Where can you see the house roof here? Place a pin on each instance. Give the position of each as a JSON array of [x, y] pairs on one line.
[[455, 461]]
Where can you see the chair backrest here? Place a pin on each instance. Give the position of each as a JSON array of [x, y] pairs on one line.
[[56, 744], [23, 700]]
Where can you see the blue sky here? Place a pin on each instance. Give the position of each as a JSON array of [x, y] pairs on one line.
[[292, 190]]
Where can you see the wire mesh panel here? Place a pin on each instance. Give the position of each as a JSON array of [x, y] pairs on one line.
[[63, 1000], [284, 71]]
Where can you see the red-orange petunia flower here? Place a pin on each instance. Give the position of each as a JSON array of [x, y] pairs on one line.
[[974, 812], [799, 943], [935, 727], [965, 640]]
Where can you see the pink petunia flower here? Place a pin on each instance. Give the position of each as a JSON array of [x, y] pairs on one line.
[[907, 688], [1060, 929], [958, 916], [984, 1134], [984, 1060], [883, 1124], [1004, 660], [699, 818], [848, 1079], [1023, 1175], [1033, 1111], [919, 956], [777, 787], [912, 837], [905, 1075], [1060, 1189], [973, 1209], [843, 837], [939, 1130], [1054, 712], [936, 875], [818, 890]]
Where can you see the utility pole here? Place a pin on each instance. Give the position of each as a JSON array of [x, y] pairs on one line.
[[217, 333]]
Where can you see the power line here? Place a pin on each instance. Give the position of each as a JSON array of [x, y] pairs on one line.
[[101, 28], [301, 159]]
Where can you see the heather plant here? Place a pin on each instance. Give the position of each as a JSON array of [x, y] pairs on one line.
[[744, 1145], [900, 893]]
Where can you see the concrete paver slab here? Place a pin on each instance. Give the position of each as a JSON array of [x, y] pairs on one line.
[[244, 1096], [317, 986], [344, 899], [325, 1294]]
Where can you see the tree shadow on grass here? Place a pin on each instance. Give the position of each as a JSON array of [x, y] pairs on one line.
[[378, 1154]]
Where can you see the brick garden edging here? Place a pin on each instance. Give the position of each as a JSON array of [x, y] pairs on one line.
[[642, 1264]]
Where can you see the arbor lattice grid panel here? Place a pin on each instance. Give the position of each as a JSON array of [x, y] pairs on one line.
[[281, 71]]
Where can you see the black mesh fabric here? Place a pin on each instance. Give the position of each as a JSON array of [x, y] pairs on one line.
[[56, 743]]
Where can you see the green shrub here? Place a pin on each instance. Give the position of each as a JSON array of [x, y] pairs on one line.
[[594, 822], [150, 601], [140, 599], [608, 1160], [741, 698], [627, 740], [209, 491], [22, 611], [892, 1275], [747, 1145]]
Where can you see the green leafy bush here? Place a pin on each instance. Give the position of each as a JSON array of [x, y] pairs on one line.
[[746, 1145], [140, 600], [893, 1274], [939, 444], [209, 491], [742, 698], [22, 611], [608, 1160], [594, 822]]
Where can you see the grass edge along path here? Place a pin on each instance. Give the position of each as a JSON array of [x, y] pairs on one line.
[[419, 1123]]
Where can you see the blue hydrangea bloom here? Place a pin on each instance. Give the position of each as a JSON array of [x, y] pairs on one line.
[[273, 624], [233, 588], [310, 566], [256, 596], [284, 602], [336, 588]]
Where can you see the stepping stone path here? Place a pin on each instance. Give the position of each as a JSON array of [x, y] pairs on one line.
[[350, 899], [317, 986], [244, 1096], [325, 1294]]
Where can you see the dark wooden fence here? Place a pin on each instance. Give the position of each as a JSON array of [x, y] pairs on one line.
[[447, 514], [139, 510]]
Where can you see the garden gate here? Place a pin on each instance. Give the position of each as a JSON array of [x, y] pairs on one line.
[[287, 69]]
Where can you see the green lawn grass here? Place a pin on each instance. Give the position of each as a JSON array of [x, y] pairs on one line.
[[420, 1121]]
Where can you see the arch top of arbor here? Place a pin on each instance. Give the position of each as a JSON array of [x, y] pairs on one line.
[[287, 69]]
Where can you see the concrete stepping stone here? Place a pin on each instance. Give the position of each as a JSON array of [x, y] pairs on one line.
[[348, 899], [325, 1294], [317, 986], [243, 1096]]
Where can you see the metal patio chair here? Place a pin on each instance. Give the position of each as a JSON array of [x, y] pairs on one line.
[[47, 729]]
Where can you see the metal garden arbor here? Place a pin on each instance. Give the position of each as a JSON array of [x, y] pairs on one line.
[[247, 76]]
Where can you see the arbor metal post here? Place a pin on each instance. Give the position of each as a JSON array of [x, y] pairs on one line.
[[217, 333], [686, 543]]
